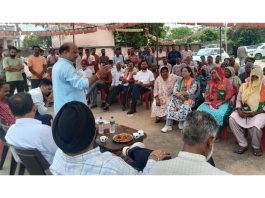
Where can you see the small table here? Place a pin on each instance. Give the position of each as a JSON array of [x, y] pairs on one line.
[[112, 146]]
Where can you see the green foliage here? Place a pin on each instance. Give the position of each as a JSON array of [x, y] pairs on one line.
[[178, 33], [245, 36], [210, 34], [42, 41], [138, 38]]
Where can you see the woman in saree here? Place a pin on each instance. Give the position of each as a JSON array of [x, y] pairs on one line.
[[183, 99], [203, 79], [163, 90], [219, 92]]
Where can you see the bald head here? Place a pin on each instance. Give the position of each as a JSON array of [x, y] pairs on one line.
[[69, 51]]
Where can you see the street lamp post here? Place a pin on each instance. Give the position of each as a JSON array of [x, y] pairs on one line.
[[157, 30], [73, 33]]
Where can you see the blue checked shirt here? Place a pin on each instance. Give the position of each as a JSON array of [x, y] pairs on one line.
[[93, 162]]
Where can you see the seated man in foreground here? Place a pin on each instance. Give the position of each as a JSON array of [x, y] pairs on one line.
[[41, 99], [28, 132], [199, 133], [74, 133]]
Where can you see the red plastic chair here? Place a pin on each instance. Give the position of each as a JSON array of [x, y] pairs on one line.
[[103, 95], [146, 98], [224, 135]]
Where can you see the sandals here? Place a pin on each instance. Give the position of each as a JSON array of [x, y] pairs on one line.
[[158, 119], [256, 152], [240, 149]]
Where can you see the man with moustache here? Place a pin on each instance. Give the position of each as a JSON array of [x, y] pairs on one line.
[[144, 80], [37, 66], [199, 133], [13, 67], [67, 84]]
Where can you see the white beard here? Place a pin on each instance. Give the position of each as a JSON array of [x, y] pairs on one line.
[[209, 155]]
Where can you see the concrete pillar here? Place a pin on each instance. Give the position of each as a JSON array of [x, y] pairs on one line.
[[4, 43]]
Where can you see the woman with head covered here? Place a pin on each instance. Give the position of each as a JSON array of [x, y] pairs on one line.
[[250, 113]]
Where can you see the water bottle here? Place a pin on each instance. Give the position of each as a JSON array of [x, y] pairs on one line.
[[100, 126], [112, 125]]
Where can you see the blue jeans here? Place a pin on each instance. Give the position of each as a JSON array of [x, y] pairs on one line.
[[137, 90], [93, 91], [45, 119]]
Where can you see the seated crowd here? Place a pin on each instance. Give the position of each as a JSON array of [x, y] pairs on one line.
[[201, 96]]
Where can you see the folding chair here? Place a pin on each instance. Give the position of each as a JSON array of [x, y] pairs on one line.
[[13, 163], [33, 160]]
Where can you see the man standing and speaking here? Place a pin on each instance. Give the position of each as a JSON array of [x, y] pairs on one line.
[[67, 84]]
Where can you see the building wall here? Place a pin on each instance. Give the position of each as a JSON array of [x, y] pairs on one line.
[[6, 41], [99, 38]]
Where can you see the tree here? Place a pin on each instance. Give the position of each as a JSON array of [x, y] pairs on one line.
[[178, 33], [238, 36], [138, 38], [42, 41], [210, 34]]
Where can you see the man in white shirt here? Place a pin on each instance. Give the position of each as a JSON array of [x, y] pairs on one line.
[[28, 132], [118, 57], [199, 133], [84, 72], [210, 63], [241, 54], [186, 52], [79, 58], [165, 63], [90, 59], [177, 68], [160, 56], [144, 80], [218, 61], [115, 88], [41, 100], [52, 58]]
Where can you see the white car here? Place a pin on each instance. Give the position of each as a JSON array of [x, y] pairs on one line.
[[251, 48], [210, 52], [258, 53]]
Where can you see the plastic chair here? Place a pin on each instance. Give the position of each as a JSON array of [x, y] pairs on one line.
[[33, 160], [103, 95], [146, 96], [224, 135], [13, 163]]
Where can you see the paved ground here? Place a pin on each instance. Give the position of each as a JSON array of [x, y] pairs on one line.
[[225, 159]]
